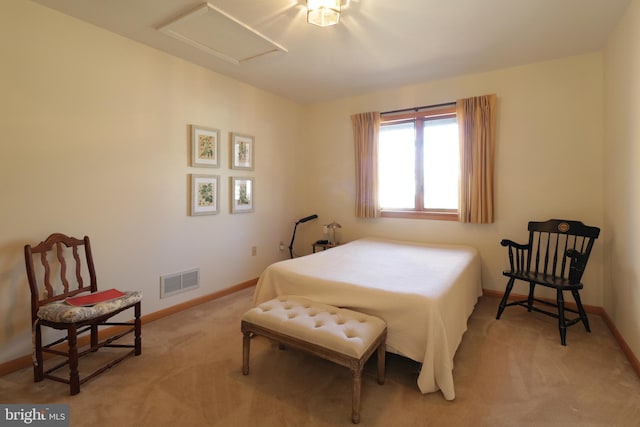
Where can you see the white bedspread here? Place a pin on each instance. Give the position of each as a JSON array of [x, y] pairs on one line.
[[425, 293]]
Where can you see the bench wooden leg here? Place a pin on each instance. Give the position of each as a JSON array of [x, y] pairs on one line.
[[382, 352], [356, 374], [246, 345]]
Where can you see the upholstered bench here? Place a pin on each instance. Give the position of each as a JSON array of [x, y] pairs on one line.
[[342, 336]]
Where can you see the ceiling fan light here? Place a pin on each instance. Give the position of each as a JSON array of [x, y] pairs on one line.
[[323, 13]]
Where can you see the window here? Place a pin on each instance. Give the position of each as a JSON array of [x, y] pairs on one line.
[[419, 164]]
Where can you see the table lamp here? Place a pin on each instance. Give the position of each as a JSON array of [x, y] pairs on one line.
[[332, 232]]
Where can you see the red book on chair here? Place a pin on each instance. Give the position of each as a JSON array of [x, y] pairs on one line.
[[94, 298]]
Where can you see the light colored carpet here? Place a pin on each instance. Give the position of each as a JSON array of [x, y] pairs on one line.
[[508, 372]]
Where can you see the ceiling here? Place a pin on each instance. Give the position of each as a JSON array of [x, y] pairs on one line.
[[378, 44]]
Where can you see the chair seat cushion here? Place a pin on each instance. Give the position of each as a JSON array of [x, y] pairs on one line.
[[62, 312]]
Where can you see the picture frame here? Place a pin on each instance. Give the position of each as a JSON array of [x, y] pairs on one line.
[[242, 194], [204, 195], [205, 147], [242, 151]]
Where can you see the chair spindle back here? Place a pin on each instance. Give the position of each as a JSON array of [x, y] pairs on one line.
[[553, 242], [60, 273]]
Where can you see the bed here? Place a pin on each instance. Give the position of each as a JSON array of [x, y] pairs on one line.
[[425, 293]]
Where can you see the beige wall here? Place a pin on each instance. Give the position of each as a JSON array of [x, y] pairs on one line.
[[549, 149], [94, 140], [622, 177]]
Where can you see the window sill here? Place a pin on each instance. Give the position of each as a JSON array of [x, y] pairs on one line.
[[434, 215]]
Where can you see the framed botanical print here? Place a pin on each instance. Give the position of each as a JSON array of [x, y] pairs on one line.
[[204, 194], [205, 147], [242, 151], [242, 194]]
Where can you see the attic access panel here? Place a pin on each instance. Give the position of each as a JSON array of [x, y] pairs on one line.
[[218, 33]]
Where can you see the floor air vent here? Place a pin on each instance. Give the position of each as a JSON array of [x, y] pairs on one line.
[[172, 284]]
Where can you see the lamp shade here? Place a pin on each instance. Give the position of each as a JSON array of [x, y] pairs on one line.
[[323, 12], [334, 225]]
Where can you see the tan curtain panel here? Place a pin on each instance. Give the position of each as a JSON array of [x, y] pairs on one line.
[[477, 128], [366, 128]]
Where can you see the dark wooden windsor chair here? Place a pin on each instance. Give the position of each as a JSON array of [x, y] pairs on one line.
[[51, 285], [556, 257]]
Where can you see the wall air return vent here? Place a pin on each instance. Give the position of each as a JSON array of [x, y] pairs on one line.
[[176, 283], [217, 33]]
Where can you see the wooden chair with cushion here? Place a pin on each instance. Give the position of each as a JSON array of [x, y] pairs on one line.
[[61, 268], [555, 256]]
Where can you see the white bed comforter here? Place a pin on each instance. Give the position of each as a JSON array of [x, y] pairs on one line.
[[424, 292]]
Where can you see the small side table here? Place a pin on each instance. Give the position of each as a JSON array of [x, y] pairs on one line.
[[323, 246]]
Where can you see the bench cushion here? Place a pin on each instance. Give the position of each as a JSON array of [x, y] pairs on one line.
[[344, 331]]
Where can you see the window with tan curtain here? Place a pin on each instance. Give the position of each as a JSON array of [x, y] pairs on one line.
[[476, 130]]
